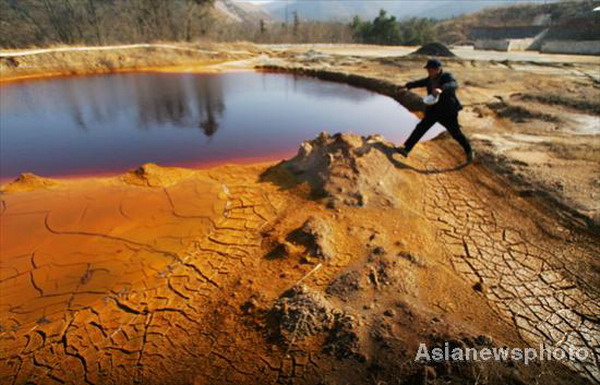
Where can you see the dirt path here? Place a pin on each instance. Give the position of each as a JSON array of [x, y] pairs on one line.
[[16, 53], [465, 52]]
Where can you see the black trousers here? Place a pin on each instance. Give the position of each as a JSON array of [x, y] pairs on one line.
[[447, 119]]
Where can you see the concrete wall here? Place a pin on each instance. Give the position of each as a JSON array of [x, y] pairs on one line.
[[496, 33], [537, 42], [495, 45], [587, 47], [520, 44], [504, 44]]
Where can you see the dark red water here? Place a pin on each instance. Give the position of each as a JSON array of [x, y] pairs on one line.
[[111, 123]]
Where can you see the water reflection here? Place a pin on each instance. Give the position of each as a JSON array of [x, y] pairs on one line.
[[183, 102], [116, 122], [213, 111], [327, 89], [161, 100]]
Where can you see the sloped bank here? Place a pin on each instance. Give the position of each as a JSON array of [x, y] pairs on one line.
[[66, 61]]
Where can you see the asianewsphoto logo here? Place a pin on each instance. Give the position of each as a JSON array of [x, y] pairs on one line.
[[526, 355]]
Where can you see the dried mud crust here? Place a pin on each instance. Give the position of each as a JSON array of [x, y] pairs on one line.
[[167, 278], [301, 313], [125, 300], [538, 274], [194, 282], [360, 322], [28, 182]]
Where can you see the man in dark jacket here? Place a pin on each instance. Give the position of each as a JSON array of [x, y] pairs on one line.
[[443, 85]]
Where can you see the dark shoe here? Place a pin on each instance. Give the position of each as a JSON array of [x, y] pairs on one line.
[[470, 156], [402, 151]]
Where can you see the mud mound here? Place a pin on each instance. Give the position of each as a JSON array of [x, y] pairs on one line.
[[28, 182], [434, 49], [301, 313], [151, 175], [315, 236], [345, 285], [346, 169], [380, 271], [313, 239]]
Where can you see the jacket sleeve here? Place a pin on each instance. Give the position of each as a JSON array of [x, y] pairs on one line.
[[449, 82], [418, 83]]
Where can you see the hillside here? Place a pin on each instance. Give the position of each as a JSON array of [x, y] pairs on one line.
[[345, 10], [35, 23], [239, 11], [582, 22]]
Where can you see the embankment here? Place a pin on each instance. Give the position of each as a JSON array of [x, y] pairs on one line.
[[61, 61]]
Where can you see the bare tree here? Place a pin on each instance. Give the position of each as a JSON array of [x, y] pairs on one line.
[[40, 22]]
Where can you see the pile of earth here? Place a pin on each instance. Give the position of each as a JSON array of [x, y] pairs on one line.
[[28, 182], [302, 312], [434, 49], [346, 170], [151, 175]]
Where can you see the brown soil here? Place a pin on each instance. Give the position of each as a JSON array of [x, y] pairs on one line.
[[331, 267]]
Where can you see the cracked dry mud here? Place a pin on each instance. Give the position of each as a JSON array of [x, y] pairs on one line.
[[108, 284], [166, 276], [535, 272]]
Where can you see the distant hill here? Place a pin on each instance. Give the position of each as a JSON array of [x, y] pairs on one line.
[[241, 11], [345, 10], [567, 19]]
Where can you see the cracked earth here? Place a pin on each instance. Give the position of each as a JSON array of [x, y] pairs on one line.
[[250, 275], [535, 272], [164, 276]]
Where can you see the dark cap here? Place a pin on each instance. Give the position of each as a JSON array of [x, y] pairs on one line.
[[433, 63]]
